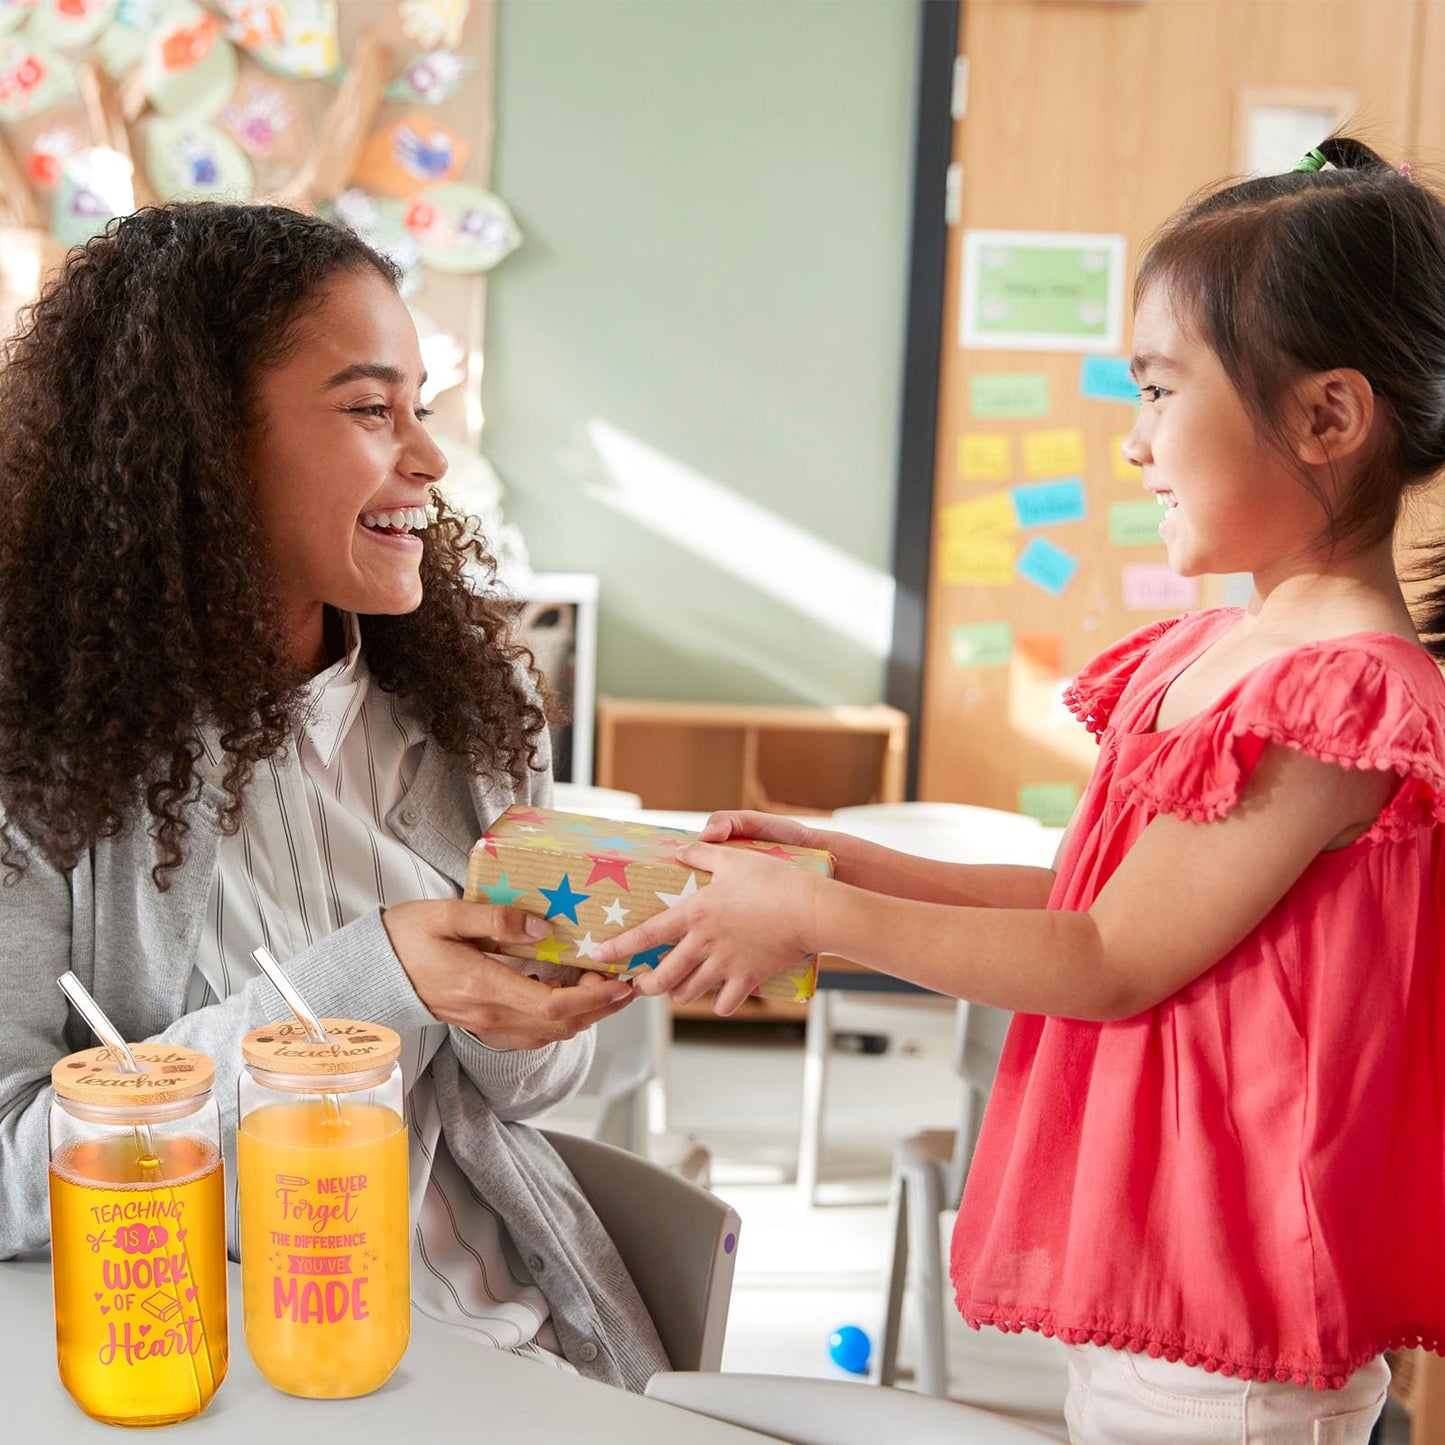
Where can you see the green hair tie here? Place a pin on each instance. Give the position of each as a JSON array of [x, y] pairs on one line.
[[1314, 160]]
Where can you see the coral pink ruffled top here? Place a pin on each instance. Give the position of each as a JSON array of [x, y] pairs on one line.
[[1250, 1176]]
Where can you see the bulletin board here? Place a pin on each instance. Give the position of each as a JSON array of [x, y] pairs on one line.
[[376, 112], [1078, 130]]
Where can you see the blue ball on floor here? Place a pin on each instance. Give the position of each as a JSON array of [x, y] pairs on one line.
[[849, 1348]]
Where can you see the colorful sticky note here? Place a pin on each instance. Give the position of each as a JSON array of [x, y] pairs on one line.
[[981, 561], [1106, 378], [985, 457], [1058, 453], [1047, 504], [989, 516], [981, 644], [1052, 804], [1047, 566], [1123, 470], [1041, 651], [1156, 587], [1135, 524], [1009, 393]]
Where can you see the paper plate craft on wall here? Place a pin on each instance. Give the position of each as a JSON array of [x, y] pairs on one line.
[[442, 355], [189, 66], [434, 23], [12, 12], [32, 78], [408, 153], [123, 42], [187, 161], [379, 223], [461, 228], [297, 39], [430, 78], [265, 123], [69, 23], [48, 153], [95, 186]]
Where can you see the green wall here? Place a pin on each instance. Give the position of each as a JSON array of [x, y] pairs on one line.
[[693, 363]]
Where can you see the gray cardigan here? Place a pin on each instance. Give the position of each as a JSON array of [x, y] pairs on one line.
[[134, 948]]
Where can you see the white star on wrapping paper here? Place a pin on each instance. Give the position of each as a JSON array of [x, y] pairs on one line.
[[586, 946], [688, 889], [615, 912]]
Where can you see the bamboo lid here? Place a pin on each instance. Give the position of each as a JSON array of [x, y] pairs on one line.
[[168, 1073], [351, 1047]]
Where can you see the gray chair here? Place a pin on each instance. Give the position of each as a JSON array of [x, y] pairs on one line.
[[678, 1241], [928, 1173], [836, 1412]]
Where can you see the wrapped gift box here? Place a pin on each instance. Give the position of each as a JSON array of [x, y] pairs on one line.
[[593, 878]]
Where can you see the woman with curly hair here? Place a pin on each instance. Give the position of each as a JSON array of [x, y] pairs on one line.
[[247, 697]]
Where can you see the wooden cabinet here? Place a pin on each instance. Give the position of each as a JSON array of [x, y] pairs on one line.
[[695, 757]]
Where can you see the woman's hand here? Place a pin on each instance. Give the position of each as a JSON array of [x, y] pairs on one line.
[[441, 945], [754, 919]]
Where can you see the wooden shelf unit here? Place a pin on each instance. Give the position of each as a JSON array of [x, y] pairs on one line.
[[696, 757]]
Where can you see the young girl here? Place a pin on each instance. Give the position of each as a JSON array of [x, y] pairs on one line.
[[246, 697], [1214, 1158]]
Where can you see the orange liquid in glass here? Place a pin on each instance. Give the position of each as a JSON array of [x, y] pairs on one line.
[[325, 1244], [139, 1261]]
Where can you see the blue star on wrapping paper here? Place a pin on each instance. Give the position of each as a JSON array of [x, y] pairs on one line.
[[650, 959], [502, 893], [563, 900], [611, 845]]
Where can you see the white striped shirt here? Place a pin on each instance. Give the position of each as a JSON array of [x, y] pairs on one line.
[[312, 854]]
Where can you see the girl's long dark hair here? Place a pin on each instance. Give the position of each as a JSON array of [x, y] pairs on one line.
[[135, 592], [1315, 270]]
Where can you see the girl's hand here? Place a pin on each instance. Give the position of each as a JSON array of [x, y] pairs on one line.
[[754, 919], [441, 943], [768, 827]]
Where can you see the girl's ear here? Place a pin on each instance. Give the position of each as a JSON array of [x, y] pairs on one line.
[[1337, 415]]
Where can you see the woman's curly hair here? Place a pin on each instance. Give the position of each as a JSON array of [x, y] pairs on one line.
[[136, 603]]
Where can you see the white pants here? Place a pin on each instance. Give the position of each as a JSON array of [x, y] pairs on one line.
[[1119, 1398]]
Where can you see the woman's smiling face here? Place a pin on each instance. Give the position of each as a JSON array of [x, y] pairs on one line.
[[341, 461]]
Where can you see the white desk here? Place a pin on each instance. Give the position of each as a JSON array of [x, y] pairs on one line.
[[445, 1388]]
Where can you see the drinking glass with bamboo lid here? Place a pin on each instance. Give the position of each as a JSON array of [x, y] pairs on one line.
[[137, 1226], [321, 1149]]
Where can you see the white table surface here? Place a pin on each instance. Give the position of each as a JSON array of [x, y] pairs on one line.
[[445, 1388]]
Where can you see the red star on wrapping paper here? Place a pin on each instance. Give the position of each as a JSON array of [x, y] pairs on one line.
[[608, 870], [776, 852], [488, 844], [521, 815]]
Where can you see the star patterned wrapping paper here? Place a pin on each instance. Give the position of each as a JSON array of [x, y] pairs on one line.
[[593, 878]]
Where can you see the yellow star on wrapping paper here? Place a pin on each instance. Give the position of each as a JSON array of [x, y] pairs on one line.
[[550, 949], [548, 845], [801, 990]]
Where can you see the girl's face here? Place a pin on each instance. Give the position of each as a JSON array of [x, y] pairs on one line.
[[1231, 502], [341, 461]]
